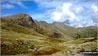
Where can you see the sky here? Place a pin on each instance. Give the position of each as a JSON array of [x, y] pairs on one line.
[[76, 13]]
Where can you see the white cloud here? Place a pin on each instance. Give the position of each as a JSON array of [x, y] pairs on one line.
[[65, 14], [83, 23], [48, 4], [65, 0], [20, 3], [78, 10], [10, 4], [94, 13], [94, 8], [7, 6]]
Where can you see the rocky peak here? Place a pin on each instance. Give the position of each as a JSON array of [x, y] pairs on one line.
[[20, 19]]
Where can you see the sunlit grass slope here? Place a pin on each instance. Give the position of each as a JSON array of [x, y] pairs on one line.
[[21, 35], [17, 39]]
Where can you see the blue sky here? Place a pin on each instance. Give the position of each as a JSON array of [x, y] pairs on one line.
[[77, 13]]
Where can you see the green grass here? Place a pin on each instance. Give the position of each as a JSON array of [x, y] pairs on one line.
[[11, 43], [82, 40], [20, 39], [90, 46], [19, 29]]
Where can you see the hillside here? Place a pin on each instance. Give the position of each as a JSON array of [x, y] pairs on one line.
[[88, 31], [69, 32], [27, 21], [21, 35]]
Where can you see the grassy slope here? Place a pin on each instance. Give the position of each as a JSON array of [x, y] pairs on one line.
[[46, 30], [67, 31], [20, 40], [73, 47], [17, 43], [88, 31], [11, 43], [61, 28], [27, 21]]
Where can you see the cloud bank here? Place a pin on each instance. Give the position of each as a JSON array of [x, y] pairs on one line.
[[77, 16], [77, 13]]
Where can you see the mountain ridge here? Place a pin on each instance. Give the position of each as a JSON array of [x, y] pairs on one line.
[[42, 27], [21, 35], [27, 21]]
